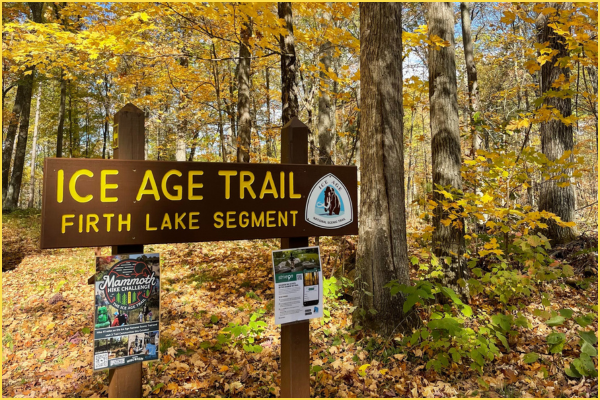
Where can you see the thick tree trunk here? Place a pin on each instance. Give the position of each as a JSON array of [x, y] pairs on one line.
[[245, 120], [34, 148], [325, 118], [61, 115], [448, 239], [382, 250], [289, 92], [14, 186], [465, 12], [9, 141], [11, 199], [556, 137]]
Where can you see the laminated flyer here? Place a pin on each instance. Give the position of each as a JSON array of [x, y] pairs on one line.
[[298, 284], [127, 308]]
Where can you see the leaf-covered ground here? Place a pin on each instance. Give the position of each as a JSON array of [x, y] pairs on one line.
[[47, 331]]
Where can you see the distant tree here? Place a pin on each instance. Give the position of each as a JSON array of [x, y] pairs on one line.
[[289, 65], [244, 118]]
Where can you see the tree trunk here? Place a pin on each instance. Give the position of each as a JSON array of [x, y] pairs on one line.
[[71, 121], [269, 132], [34, 148], [448, 241], [9, 141], [14, 186], [382, 250], [216, 76], [245, 120], [61, 115], [325, 118], [556, 137], [409, 194], [105, 132], [465, 11], [289, 90], [11, 198]]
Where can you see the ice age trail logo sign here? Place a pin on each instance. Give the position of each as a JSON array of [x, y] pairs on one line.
[[128, 284], [329, 205]]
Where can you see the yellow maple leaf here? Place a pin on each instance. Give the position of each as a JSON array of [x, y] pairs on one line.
[[486, 198]]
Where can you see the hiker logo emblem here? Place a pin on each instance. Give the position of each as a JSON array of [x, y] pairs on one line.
[[329, 205]]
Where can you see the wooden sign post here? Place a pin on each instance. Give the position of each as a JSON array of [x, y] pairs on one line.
[[295, 337], [129, 137]]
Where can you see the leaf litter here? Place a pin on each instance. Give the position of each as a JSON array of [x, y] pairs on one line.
[[47, 332]]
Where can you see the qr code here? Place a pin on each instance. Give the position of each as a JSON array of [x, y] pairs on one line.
[[101, 360], [299, 277]]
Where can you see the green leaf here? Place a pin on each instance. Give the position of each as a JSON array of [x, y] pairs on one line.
[[86, 330], [450, 324], [555, 321], [530, 358], [214, 319], [556, 342], [456, 356], [410, 302], [584, 320], [477, 357], [467, 311], [588, 336], [572, 372], [316, 368], [451, 294], [589, 349], [588, 365], [503, 340], [502, 321], [414, 260], [565, 312]]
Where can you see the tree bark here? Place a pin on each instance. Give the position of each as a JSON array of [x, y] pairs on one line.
[[216, 76], [409, 192], [289, 90], [14, 186], [34, 148], [61, 115], [382, 250], [465, 12], [9, 141], [325, 118], [556, 137], [448, 241], [245, 120], [269, 132]]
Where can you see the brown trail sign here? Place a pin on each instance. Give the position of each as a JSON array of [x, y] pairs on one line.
[[103, 202], [128, 202]]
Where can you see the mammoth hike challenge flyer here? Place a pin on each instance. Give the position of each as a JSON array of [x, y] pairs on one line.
[[127, 306]]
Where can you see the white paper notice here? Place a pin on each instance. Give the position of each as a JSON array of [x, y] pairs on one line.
[[298, 284]]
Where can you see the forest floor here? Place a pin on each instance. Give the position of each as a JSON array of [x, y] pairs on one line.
[[47, 345]]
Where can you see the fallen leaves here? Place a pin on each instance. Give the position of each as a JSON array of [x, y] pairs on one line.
[[47, 348]]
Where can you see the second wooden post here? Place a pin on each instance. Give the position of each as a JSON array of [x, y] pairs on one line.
[[295, 337]]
